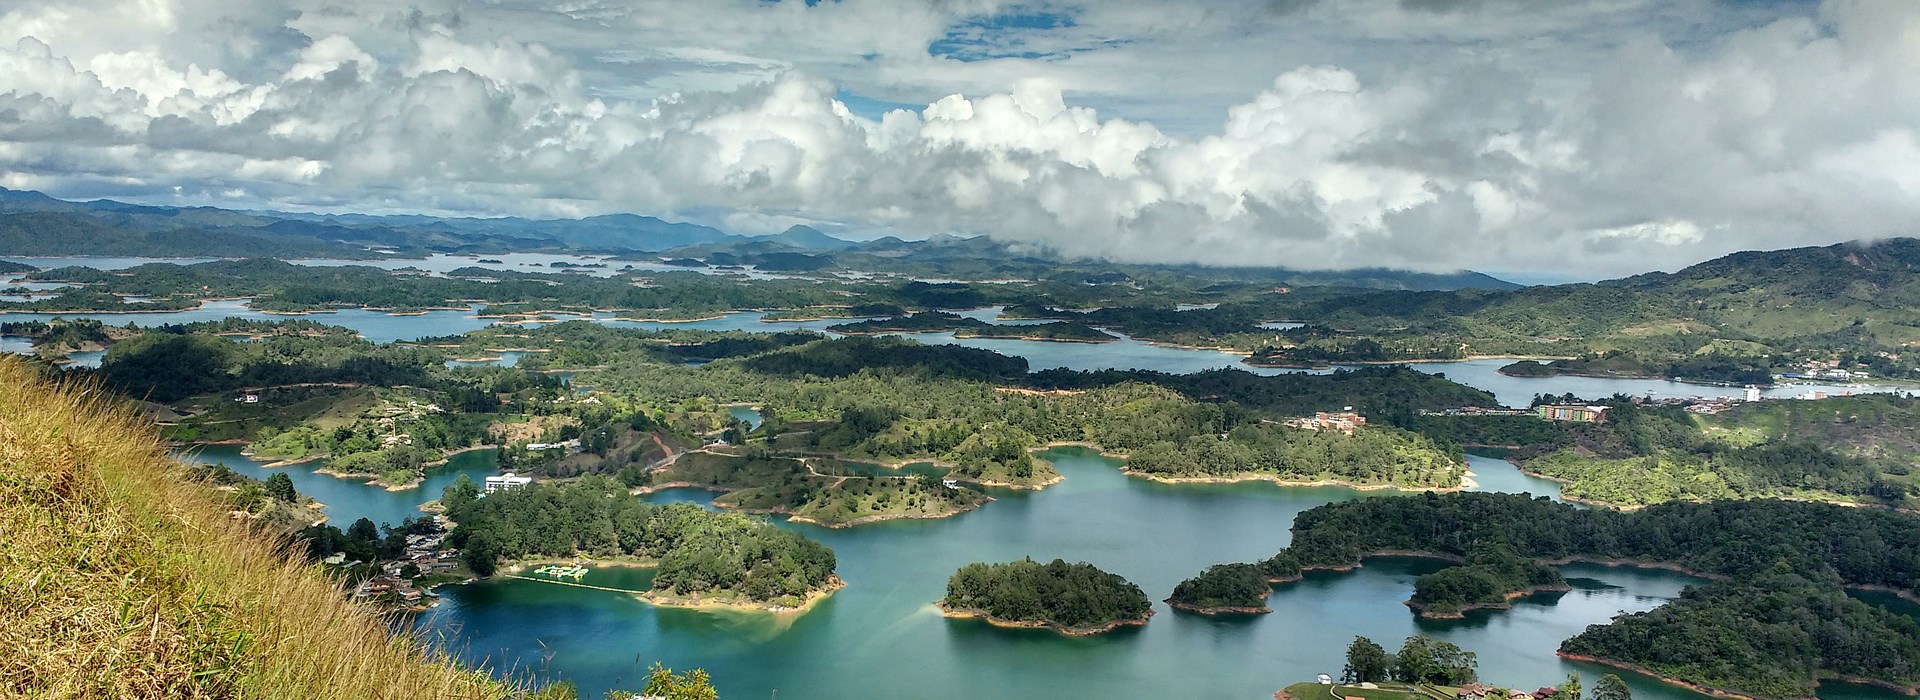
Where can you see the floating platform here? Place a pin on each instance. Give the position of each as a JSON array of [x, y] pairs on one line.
[[557, 571]]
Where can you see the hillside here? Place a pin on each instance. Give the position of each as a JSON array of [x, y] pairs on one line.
[[1843, 449], [1845, 296], [124, 580]]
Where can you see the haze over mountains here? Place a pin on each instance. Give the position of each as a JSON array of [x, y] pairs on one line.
[[34, 224]]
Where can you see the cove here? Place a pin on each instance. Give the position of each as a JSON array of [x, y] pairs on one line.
[[352, 498]]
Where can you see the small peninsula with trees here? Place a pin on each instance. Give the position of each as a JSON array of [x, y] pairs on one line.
[[700, 557], [1072, 599]]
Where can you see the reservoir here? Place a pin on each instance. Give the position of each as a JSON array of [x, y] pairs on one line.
[[880, 636], [1127, 353]]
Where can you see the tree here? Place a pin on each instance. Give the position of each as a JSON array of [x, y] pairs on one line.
[[1570, 690], [1367, 662], [692, 685], [1425, 660], [280, 486], [1611, 687], [363, 530], [460, 493]]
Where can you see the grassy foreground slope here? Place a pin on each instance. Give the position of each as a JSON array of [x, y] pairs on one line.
[[124, 581]]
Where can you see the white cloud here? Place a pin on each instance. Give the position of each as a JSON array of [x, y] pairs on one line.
[[1602, 136]]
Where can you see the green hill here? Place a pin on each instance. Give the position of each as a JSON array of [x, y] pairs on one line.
[[126, 579]]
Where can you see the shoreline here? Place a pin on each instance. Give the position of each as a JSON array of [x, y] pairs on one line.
[[1819, 677], [813, 598], [1217, 612], [1627, 508], [673, 320], [862, 520], [1505, 604], [1562, 561], [793, 517], [969, 613], [1009, 336], [1466, 482], [1431, 360], [694, 602]]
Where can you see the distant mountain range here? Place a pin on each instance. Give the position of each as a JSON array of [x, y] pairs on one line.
[[34, 224]]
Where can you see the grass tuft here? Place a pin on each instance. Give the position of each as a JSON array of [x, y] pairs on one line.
[[121, 579]]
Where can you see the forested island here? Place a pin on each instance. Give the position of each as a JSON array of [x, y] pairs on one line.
[[1072, 599], [701, 557], [1224, 589], [1761, 628], [966, 327], [1490, 579]]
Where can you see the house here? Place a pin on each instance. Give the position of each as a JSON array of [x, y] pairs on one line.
[[1475, 691], [1573, 414], [506, 481], [1344, 421], [1544, 693]]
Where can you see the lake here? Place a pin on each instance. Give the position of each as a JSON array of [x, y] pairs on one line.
[[1127, 353], [881, 638], [351, 499], [880, 634]]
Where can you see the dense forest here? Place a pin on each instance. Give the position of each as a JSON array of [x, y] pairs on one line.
[[1770, 636], [1224, 588], [1073, 598], [698, 552], [1755, 612]]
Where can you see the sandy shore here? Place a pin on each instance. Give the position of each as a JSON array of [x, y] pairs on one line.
[[1028, 624]]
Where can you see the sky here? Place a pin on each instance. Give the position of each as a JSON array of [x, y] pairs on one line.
[[1575, 138]]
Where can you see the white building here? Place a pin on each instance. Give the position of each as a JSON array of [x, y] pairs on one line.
[[1753, 393], [506, 481]]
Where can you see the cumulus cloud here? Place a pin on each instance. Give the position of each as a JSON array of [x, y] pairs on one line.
[[1597, 137]]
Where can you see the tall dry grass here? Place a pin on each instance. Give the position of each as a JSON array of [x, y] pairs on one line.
[[118, 579]]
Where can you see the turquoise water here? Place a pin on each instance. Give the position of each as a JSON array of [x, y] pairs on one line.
[[880, 637], [748, 415], [350, 499], [1127, 353], [1497, 475], [507, 358]]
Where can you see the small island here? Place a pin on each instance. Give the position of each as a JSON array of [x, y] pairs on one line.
[[965, 327], [1073, 599], [1058, 331], [1622, 365], [702, 558], [1224, 589], [1490, 580]]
